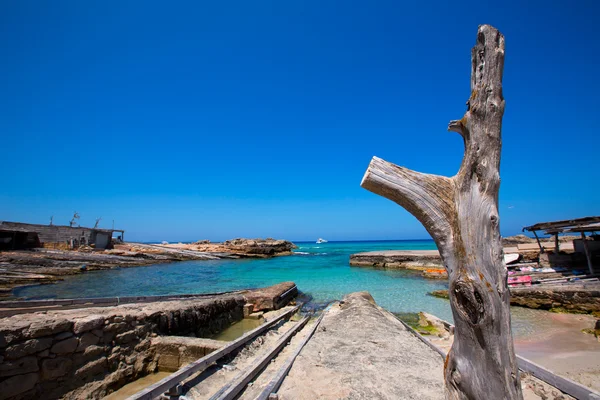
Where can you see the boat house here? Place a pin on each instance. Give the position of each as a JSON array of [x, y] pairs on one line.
[[591, 225], [18, 235]]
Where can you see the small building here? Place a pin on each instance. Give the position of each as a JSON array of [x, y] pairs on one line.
[[18, 235], [12, 239], [591, 248]]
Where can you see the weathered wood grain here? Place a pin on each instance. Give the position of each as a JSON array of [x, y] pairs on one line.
[[461, 214]]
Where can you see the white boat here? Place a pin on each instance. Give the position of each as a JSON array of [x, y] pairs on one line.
[[511, 258], [319, 240]]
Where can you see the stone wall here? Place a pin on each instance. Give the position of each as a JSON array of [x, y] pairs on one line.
[[89, 352]]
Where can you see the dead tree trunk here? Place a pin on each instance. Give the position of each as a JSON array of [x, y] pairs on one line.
[[461, 214]]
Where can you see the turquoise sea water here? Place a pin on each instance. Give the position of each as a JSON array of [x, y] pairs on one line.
[[320, 270]]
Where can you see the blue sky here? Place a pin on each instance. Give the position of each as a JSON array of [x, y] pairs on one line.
[[195, 120]]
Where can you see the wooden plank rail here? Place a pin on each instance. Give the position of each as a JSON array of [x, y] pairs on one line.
[[565, 385], [277, 380], [233, 388], [199, 365]]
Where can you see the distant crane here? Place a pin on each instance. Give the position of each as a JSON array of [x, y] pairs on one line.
[[75, 217], [51, 219], [97, 222]]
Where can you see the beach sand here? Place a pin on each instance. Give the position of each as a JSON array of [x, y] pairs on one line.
[[557, 342]]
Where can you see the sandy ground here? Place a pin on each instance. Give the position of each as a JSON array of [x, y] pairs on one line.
[[556, 342]]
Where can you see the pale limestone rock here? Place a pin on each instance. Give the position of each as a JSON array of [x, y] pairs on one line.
[[88, 323]]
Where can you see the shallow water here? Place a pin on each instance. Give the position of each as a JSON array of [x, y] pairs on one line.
[[320, 270], [237, 329], [135, 386]]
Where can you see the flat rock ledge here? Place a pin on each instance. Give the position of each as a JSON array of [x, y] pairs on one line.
[[420, 260], [361, 351]]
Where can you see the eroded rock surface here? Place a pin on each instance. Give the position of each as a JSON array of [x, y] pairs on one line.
[[361, 351]]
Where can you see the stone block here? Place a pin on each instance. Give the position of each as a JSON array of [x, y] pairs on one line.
[[143, 361], [125, 337], [44, 353], [93, 351], [256, 315], [63, 336], [116, 327], [65, 346], [3, 342], [248, 309], [88, 323], [143, 345], [141, 331], [17, 384], [168, 362], [87, 339], [98, 332], [26, 348], [47, 328], [108, 337], [92, 368], [113, 360], [53, 368], [17, 367]]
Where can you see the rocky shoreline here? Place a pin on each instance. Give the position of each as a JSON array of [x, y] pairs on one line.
[[538, 280], [570, 300], [46, 266]]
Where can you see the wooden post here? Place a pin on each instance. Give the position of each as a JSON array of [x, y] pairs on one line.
[[556, 244], [588, 256], [538, 242], [461, 214]]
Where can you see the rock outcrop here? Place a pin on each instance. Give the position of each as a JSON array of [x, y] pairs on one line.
[[266, 247], [361, 351], [567, 299], [242, 247], [517, 239], [272, 297], [398, 259]]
